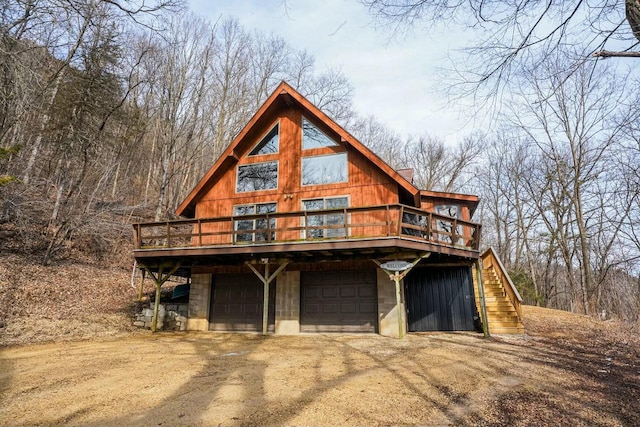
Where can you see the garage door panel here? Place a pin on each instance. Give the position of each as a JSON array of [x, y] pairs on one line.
[[312, 292], [366, 292], [348, 308], [236, 303], [329, 292], [328, 308], [338, 301], [367, 308], [348, 291]]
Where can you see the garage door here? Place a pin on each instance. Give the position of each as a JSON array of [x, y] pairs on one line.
[[338, 301], [440, 299], [236, 303]]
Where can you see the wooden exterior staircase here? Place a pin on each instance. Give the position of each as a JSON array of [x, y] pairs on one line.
[[502, 300]]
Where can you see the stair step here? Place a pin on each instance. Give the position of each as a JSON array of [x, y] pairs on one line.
[[506, 331], [514, 324], [503, 317]]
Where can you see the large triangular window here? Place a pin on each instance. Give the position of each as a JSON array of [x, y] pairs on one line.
[[312, 137], [268, 144]]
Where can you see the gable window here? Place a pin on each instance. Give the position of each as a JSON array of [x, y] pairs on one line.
[[312, 137], [327, 169], [327, 224], [254, 229], [257, 176], [268, 144]]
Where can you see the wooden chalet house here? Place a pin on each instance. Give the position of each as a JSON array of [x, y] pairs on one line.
[[288, 229]]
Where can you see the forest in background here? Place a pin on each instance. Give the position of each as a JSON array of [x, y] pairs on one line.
[[111, 111]]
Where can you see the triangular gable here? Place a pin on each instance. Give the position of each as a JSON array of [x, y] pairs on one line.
[[288, 94]]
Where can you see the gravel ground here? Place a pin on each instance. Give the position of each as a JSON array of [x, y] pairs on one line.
[[567, 370]]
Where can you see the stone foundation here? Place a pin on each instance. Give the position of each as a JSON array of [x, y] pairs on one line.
[[171, 317]]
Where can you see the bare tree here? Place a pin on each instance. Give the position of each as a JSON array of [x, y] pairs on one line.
[[512, 35]]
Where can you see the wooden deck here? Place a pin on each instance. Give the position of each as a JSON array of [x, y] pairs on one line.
[[307, 234]]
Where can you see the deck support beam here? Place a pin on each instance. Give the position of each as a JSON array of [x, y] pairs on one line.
[[266, 281], [159, 279]]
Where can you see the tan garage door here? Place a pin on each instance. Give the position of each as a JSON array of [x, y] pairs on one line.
[[236, 303], [338, 301]]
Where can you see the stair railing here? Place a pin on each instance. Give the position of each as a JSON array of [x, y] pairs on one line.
[[491, 259]]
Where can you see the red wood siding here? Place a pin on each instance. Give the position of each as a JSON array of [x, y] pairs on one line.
[[366, 185]]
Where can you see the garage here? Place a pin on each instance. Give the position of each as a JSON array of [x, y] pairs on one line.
[[338, 301], [440, 299], [237, 301]]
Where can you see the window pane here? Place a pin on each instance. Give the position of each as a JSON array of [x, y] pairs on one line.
[[255, 224], [312, 137], [258, 176], [313, 205], [324, 169], [337, 202], [242, 226], [269, 143], [446, 226], [266, 208], [244, 210], [327, 219], [334, 219]]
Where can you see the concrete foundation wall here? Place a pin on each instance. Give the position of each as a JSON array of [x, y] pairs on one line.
[[199, 297], [288, 303], [387, 310]]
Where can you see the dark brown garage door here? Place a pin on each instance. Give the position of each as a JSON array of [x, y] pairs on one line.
[[236, 303], [338, 301]]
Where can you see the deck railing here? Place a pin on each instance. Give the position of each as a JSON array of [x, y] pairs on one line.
[[306, 226]]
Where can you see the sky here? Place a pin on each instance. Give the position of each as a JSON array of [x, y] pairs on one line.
[[395, 80]]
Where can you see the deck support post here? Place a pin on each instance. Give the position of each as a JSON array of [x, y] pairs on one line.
[[159, 280], [396, 276], [266, 281], [483, 303], [141, 288]]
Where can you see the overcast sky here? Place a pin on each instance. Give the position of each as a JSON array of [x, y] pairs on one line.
[[394, 80]]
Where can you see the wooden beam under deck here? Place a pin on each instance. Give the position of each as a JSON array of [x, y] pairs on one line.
[[324, 251]]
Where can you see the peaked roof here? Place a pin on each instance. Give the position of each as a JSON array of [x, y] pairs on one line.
[[285, 95]]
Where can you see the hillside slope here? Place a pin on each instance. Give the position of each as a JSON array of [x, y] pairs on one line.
[[67, 300]]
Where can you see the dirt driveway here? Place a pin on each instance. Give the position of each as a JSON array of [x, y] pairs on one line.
[[233, 379]]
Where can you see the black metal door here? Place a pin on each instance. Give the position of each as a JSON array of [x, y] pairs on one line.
[[440, 299]]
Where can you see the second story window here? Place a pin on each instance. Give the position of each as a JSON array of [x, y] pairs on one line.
[[325, 225], [256, 228], [312, 137], [257, 176], [268, 144], [329, 169]]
